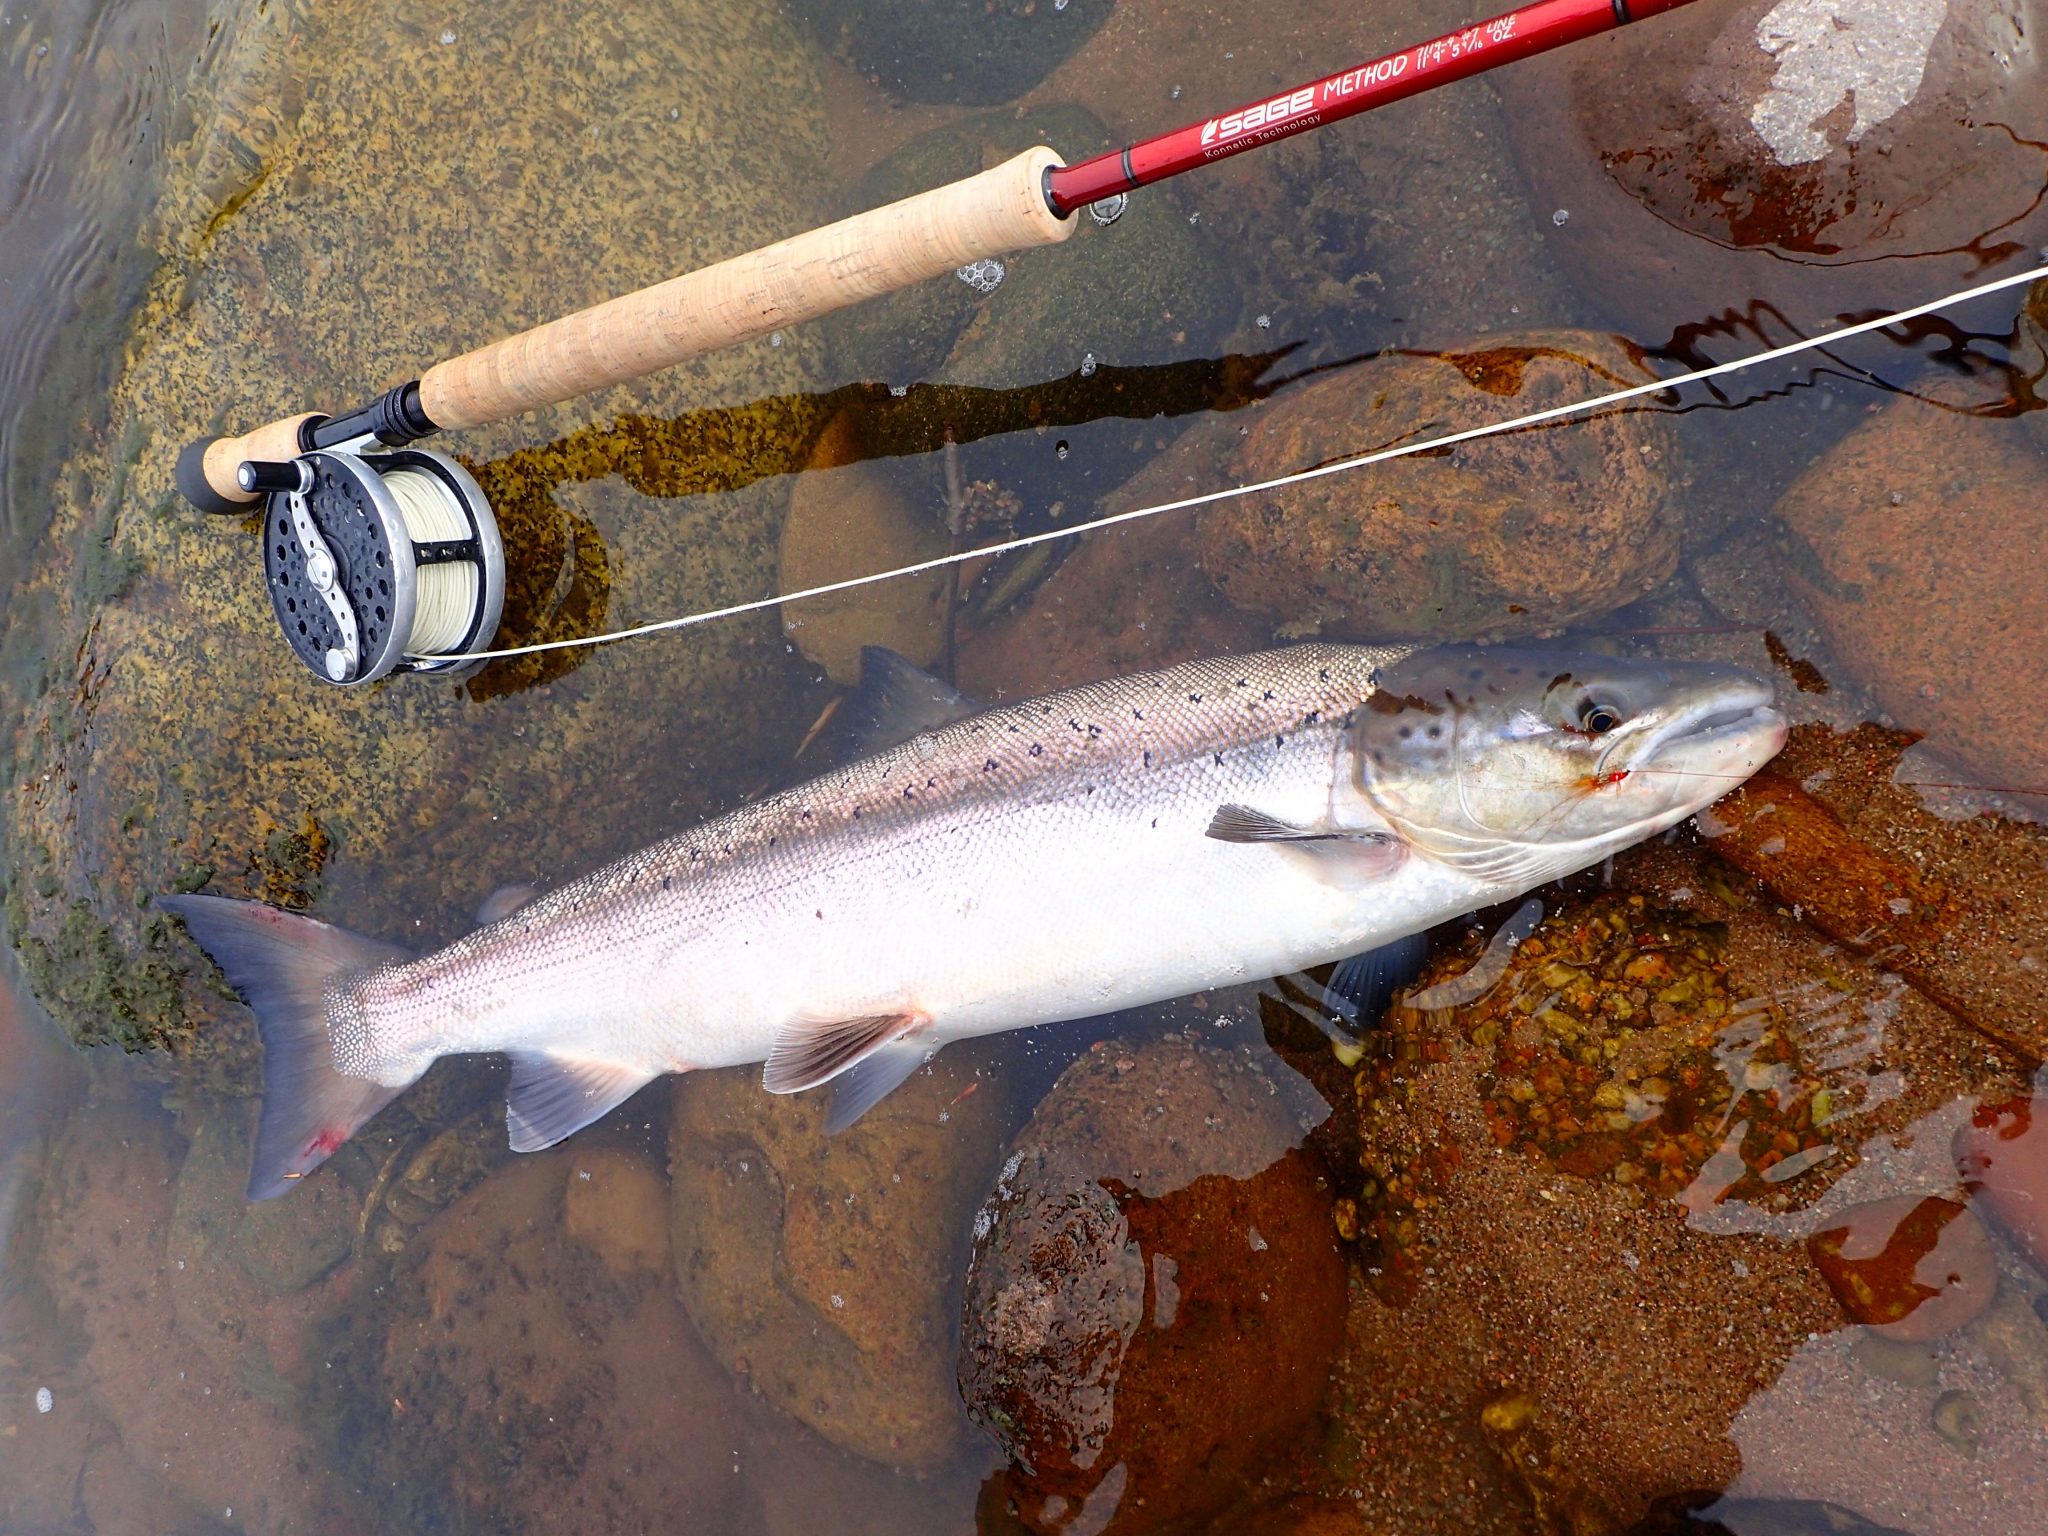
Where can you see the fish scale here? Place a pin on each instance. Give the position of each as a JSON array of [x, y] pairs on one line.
[[1100, 848]]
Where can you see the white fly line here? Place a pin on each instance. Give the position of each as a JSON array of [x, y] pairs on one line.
[[1335, 467]]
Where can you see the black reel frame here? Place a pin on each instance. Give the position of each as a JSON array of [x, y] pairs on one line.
[[342, 567]]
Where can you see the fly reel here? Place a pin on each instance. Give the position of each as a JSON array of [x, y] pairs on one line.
[[379, 562]]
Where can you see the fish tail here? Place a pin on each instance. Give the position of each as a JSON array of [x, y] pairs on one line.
[[282, 964]]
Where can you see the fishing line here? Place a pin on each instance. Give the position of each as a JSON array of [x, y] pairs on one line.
[[1206, 498]]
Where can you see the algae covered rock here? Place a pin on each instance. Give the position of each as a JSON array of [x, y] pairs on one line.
[[407, 208], [821, 1268], [976, 52], [1506, 535], [1156, 1291]]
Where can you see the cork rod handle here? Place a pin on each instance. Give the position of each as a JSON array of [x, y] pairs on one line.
[[1002, 209]]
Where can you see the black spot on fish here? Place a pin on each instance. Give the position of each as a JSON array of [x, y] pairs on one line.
[[989, 766], [1314, 715], [1269, 693], [1194, 698], [1279, 741], [909, 793], [1137, 714], [931, 783], [804, 815], [1094, 731], [821, 914], [1148, 757], [667, 881], [1075, 724], [1324, 674], [1219, 759], [1155, 823], [1244, 682], [1036, 749]]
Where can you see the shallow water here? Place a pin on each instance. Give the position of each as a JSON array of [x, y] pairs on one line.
[[1577, 1223]]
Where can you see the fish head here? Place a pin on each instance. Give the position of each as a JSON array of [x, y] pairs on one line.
[[1522, 765]]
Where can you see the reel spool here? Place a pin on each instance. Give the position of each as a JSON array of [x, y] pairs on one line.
[[374, 560]]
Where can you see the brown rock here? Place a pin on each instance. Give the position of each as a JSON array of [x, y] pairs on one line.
[[1915, 1266], [617, 1206], [847, 517], [1507, 535], [2002, 1155], [1957, 907], [819, 1268], [1128, 598], [194, 1404], [1910, 545], [518, 1386], [1155, 1293], [1760, 147]]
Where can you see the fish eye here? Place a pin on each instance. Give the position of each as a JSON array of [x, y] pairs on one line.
[[1597, 717]]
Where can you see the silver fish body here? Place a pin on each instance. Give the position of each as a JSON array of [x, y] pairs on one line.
[[1095, 849]]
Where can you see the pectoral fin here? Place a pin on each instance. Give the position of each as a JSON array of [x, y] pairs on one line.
[[1359, 854], [808, 1052], [551, 1097]]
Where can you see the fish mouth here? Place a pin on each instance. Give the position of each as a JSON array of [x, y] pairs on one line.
[[1738, 711]]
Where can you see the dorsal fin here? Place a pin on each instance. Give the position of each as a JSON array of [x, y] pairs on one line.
[[894, 701]]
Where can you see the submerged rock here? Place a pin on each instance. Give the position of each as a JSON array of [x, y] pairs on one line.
[[820, 1268], [976, 52], [2002, 1155], [1901, 543], [1156, 1291], [1504, 536], [160, 735], [520, 1383], [1914, 1266], [1804, 136], [848, 517]]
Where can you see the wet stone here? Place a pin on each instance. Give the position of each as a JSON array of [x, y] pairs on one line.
[[2002, 1155], [1155, 1293], [1858, 528], [1504, 536], [820, 1268], [973, 52], [849, 516], [506, 1381], [1917, 1267], [1791, 138]]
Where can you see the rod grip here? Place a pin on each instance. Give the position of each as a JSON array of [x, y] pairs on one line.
[[1001, 209], [206, 469]]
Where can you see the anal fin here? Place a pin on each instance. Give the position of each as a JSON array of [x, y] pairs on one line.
[[551, 1097], [808, 1052]]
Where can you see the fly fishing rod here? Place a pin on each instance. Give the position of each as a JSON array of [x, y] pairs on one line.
[[381, 557]]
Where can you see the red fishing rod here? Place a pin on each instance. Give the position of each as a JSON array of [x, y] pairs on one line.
[[1331, 98], [381, 557]]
